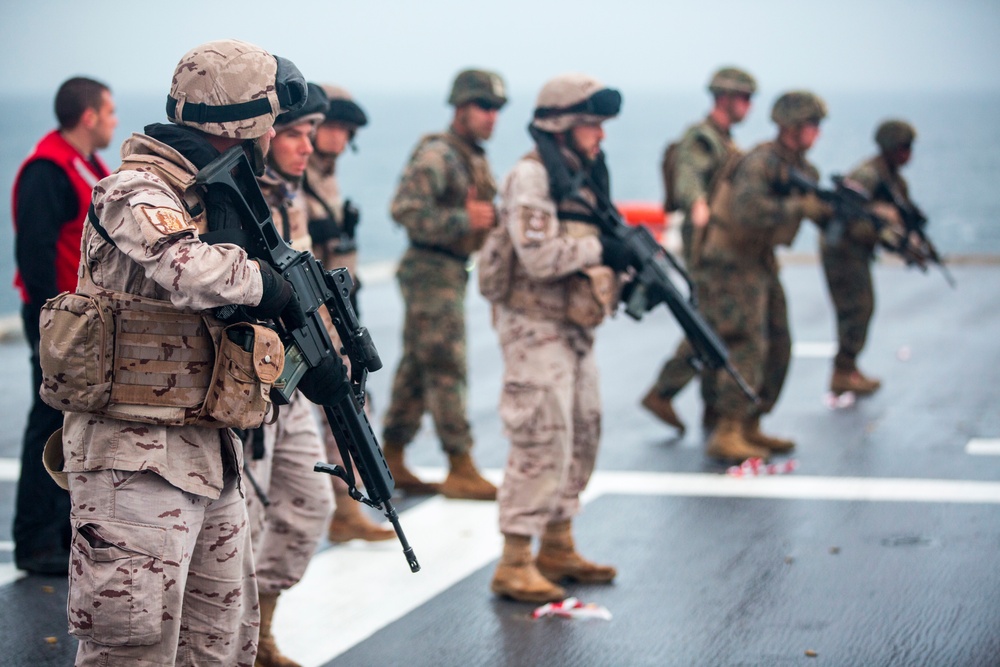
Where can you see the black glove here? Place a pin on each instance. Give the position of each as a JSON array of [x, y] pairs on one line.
[[323, 230], [277, 293], [617, 254], [326, 383], [351, 218]]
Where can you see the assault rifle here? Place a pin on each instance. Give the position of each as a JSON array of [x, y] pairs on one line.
[[307, 341], [850, 201], [652, 283]]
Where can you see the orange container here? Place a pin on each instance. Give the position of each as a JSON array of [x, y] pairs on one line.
[[646, 213]]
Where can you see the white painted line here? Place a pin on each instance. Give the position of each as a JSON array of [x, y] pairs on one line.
[[348, 593], [10, 470], [815, 350], [983, 447], [9, 574], [6, 545]]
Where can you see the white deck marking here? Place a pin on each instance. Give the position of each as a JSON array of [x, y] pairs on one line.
[[983, 447], [10, 470], [814, 350], [349, 593]]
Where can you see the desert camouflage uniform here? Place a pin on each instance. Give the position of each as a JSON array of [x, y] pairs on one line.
[[287, 532], [550, 403], [161, 568], [328, 202], [847, 265], [738, 285], [430, 204], [702, 151]]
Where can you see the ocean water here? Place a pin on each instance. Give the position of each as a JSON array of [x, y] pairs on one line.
[[954, 174]]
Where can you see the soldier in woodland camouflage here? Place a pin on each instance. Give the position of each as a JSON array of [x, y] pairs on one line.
[[332, 225], [287, 531], [847, 263], [445, 202], [738, 286], [699, 157], [161, 565], [562, 280]]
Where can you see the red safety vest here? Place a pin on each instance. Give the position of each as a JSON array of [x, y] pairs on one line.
[[83, 176]]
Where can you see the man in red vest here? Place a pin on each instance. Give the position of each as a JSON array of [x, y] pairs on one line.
[[51, 196]]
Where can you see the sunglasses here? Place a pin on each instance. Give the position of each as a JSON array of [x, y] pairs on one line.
[[486, 105]]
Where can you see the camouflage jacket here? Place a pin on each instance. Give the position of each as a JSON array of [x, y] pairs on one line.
[[289, 209], [430, 199], [157, 254], [701, 152], [324, 201], [755, 211]]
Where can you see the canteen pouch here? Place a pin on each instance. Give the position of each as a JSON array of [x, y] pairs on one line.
[[591, 295], [75, 351], [250, 359]]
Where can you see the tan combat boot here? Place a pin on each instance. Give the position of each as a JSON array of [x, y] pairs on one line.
[[268, 654], [464, 482], [727, 443], [753, 435], [853, 380], [349, 523], [661, 406], [558, 559], [404, 479], [518, 578]]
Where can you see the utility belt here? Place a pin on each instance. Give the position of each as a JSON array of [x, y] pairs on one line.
[[441, 250], [139, 359]]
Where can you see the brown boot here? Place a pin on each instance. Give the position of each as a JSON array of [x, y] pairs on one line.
[[753, 435], [728, 443], [661, 406], [853, 380], [464, 482], [349, 523], [268, 654], [404, 479], [558, 559], [518, 578]]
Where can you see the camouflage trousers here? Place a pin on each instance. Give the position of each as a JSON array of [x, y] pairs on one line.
[[287, 532], [746, 306], [677, 372], [849, 280], [431, 376], [550, 406], [159, 576]]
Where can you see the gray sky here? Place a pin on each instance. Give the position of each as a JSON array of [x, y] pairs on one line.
[[384, 45]]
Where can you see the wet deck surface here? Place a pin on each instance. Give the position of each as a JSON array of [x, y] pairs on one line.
[[879, 549]]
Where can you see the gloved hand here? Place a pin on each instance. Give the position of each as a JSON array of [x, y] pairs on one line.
[[326, 383], [277, 294], [814, 208], [617, 254], [863, 232], [351, 218]]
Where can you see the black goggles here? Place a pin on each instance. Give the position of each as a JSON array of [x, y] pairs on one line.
[[605, 102]]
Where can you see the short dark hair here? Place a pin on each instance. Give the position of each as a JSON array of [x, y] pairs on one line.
[[75, 96]]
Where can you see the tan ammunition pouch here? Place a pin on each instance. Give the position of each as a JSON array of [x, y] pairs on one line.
[[496, 265], [140, 359]]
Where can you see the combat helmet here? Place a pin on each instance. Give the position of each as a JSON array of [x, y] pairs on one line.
[[893, 134], [230, 88], [477, 85], [574, 99], [343, 108], [313, 110], [798, 107], [732, 80]]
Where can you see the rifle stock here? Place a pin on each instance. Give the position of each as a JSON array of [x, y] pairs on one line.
[[307, 341]]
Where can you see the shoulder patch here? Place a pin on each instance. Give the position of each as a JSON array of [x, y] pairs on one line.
[[167, 221], [535, 224]]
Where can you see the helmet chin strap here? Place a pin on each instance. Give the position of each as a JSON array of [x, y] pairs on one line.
[[256, 156]]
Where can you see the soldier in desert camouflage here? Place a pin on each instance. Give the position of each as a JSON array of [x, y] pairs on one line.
[[739, 288], [161, 569], [287, 531], [332, 227], [560, 280], [445, 202]]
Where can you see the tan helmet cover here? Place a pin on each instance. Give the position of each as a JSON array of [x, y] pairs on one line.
[[566, 100]]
